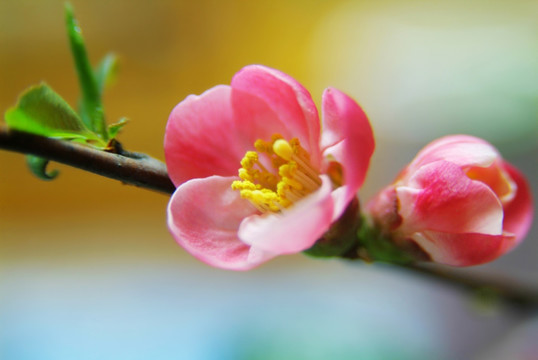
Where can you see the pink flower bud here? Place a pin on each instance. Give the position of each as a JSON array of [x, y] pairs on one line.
[[458, 200]]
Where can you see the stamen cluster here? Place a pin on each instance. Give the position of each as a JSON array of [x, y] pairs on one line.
[[290, 176]]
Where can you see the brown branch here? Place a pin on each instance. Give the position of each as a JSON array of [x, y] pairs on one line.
[[143, 171], [134, 169], [521, 296]]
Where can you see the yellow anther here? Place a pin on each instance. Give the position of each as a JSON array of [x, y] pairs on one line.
[[243, 185], [250, 158], [283, 149], [246, 194], [237, 185], [263, 197], [244, 174], [298, 150], [264, 146], [288, 169], [284, 170], [281, 188]]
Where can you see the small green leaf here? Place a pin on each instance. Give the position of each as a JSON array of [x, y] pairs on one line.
[[38, 166], [106, 72], [115, 128], [91, 108], [41, 111]]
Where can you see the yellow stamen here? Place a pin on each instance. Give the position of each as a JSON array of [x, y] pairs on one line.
[[291, 178], [283, 149], [263, 146]]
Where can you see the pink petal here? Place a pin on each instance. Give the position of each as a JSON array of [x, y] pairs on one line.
[[204, 216], [440, 197], [191, 145], [462, 150], [258, 256], [287, 98], [348, 136], [343, 194], [518, 213], [296, 229], [341, 200], [209, 134], [461, 249]]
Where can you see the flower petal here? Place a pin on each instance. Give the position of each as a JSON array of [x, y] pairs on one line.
[[496, 178], [461, 249], [288, 98], [204, 215], [341, 200], [462, 150], [191, 147], [440, 197], [294, 230], [347, 136], [209, 134], [518, 213]]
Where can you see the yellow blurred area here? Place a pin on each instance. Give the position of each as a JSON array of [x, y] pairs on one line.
[[168, 49], [421, 69]]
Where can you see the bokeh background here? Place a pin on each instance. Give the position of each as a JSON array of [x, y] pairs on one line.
[[87, 267]]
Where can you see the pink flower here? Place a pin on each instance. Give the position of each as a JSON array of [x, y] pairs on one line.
[[255, 176], [458, 200]]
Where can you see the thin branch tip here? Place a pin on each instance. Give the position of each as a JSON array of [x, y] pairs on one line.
[[135, 169]]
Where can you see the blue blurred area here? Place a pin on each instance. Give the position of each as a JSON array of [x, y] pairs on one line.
[[325, 310]]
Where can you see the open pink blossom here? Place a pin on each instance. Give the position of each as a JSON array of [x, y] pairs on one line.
[[255, 176], [458, 200]]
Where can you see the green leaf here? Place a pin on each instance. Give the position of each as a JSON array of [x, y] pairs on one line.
[[41, 111], [106, 72], [91, 108], [38, 166], [115, 128]]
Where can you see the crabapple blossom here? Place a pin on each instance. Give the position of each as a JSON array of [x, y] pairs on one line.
[[255, 175]]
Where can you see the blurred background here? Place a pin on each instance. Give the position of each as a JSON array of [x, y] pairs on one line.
[[87, 267]]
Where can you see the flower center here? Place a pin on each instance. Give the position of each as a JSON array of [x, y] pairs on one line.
[[286, 177]]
